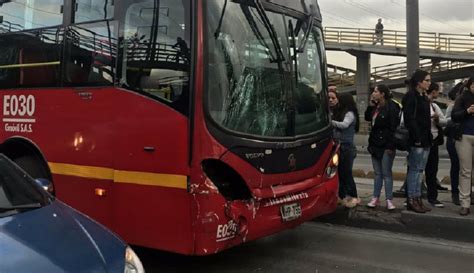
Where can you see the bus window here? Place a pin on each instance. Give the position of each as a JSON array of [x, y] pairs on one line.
[[21, 15], [93, 10], [90, 54], [30, 59], [157, 50]]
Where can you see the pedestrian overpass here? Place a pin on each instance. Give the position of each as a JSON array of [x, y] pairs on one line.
[[446, 56]]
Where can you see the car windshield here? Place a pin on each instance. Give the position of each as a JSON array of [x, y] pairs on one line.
[[265, 71], [17, 190]]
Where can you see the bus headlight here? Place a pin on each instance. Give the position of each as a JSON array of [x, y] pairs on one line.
[[132, 262], [331, 169]]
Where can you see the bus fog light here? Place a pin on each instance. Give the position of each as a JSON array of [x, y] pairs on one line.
[[331, 171]]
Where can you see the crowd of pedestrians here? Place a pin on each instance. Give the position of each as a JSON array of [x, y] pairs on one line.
[[428, 128]]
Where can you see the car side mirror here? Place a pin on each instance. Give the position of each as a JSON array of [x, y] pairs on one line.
[[45, 184]]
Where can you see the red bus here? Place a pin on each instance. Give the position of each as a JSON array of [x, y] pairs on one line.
[[189, 126]]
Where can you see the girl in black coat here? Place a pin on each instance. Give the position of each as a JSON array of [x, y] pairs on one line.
[[384, 116]]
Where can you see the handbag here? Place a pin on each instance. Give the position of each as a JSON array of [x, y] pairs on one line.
[[402, 138], [402, 135], [439, 140]]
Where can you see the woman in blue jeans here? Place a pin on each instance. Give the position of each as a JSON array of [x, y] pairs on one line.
[[450, 143], [384, 115], [345, 120], [417, 119]]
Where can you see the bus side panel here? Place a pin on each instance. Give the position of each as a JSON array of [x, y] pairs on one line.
[[152, 206], [115, 155], [154, 217], [72, 129]]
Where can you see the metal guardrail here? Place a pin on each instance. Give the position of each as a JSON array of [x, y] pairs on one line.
[[398, 70], [346, 77], [440, 42], [428, 40]]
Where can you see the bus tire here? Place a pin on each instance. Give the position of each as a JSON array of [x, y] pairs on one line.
[[26, 155]]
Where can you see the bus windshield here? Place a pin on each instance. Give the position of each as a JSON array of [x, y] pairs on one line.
[[259, 83]]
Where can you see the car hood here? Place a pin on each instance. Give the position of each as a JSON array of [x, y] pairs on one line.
[[57, 239]]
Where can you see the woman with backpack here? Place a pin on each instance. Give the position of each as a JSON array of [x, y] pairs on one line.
[[384, 116]]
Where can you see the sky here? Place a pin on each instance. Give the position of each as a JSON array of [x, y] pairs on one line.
[[441, 16]]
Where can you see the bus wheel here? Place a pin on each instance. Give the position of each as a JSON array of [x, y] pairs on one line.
[[28, 157]]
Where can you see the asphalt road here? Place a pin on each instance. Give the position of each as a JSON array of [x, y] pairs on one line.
[[318, 248]]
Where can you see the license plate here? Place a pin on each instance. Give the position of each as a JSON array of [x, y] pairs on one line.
[[290, 212]]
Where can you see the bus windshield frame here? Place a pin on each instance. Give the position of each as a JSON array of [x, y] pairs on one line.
[[258, 83]]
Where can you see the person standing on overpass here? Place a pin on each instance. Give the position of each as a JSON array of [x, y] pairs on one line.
[[379, 32]]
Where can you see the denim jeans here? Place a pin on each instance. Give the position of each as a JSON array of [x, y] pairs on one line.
[[383, 172], [431, 173], [417, 158], [347, 186], [454, 170]]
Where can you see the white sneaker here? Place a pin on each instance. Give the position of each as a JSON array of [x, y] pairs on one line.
[[373, 202], [390, 205]]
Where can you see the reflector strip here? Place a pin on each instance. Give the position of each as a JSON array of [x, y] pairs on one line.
[[118, 176]]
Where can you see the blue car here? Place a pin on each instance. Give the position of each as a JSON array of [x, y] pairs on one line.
[[41, 234]]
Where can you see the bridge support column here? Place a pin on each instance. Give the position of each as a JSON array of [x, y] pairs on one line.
[[413, 36], [362, 81]]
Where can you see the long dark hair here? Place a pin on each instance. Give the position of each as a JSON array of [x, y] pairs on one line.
[[469, 83], [346, 103], [433, 87], [456, 90], [387, 94], [417, 77]]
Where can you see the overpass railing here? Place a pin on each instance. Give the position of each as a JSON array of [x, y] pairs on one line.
[[428, 40], [345, 77], [399, 70]]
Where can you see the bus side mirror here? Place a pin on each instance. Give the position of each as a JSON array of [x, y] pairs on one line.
[[45, 184]]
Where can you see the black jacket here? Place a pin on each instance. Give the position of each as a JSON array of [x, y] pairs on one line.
[[383, 129], [417, 118], [459, 114]]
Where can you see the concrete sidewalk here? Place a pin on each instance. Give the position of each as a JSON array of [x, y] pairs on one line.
[[444, 223]]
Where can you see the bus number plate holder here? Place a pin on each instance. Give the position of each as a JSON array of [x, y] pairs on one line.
[[290, 212]]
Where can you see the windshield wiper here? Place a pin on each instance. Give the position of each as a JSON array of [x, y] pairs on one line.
[[21, 207], [306, 35], [218, 29], [271, 31], [293, 56]]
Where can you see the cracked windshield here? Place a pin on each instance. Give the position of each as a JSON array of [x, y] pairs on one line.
[[264, 75]]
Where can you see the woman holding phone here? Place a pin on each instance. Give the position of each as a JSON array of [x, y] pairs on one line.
[[384, 116]]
